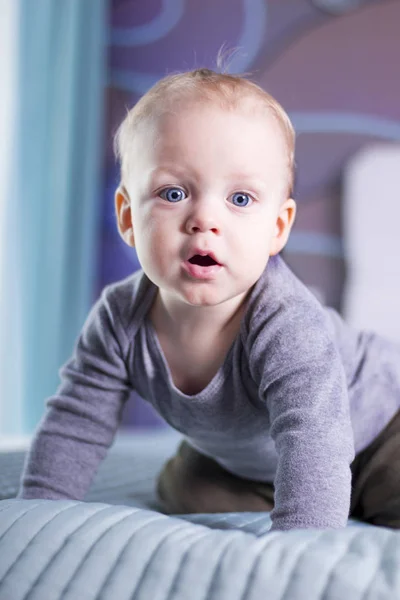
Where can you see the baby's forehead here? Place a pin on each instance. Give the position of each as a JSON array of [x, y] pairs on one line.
[[197, 139], [246, 106], [188, 115]]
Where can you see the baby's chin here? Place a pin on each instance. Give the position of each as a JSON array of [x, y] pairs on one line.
[[198, 298], [211, 300], [186, 293]]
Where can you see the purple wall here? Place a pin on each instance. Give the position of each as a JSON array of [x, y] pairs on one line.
[[336, 72]]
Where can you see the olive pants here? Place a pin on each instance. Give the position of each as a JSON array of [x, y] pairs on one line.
[[193, 483]]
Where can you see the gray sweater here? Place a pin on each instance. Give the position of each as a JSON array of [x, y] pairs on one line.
[[298, 394]]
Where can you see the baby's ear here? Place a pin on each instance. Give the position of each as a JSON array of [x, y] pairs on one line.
[[284, 223], [124, 216]]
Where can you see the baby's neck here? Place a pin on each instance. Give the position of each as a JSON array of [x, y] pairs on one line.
[[184, 322]]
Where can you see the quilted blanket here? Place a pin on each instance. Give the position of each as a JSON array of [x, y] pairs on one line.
[[110, 551]]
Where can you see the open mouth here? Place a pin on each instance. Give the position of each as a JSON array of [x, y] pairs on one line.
[[202, 261]]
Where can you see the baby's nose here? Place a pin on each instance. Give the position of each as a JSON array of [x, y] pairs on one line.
[[201, 224], [203, 217]]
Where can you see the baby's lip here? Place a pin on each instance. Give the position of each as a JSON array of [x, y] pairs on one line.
[[201, 252]]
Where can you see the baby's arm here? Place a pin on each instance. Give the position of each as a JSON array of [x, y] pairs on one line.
[[303, 385], [310, 424], [83, 416]]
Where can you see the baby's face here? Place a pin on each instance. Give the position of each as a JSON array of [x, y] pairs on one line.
[[205, 188]]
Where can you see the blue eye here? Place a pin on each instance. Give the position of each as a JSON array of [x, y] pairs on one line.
[[241, 199], [172, 194]]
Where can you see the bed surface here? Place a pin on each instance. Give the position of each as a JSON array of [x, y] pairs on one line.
[[119, 545]]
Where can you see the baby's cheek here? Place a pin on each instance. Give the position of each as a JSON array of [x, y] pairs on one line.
[[256, 242]]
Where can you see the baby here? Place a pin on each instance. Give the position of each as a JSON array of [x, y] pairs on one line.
[[281, 405]]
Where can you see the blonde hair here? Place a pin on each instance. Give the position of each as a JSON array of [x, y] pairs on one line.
[[229, 91]]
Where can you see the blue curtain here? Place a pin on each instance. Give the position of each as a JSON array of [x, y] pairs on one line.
[[53, 208]]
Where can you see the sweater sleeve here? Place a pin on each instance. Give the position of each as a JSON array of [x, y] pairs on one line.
[[82, 418], [302, 383], [310, 425]]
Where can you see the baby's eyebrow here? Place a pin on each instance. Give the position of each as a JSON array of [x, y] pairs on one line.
[[248, 179], [167, 170], [162, 174]]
